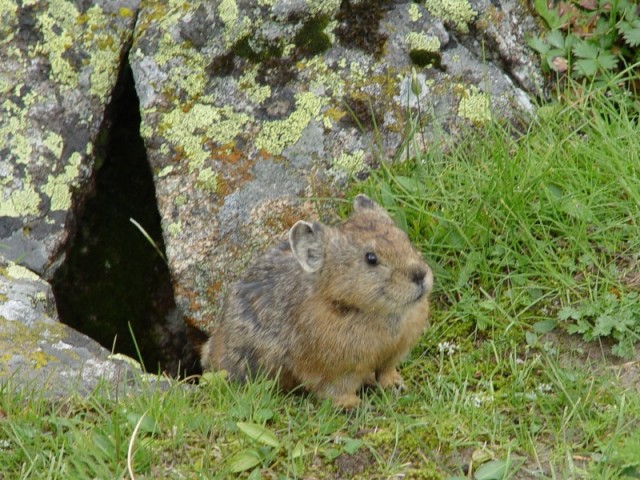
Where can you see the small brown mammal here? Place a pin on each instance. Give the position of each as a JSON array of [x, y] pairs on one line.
[[331, 309]]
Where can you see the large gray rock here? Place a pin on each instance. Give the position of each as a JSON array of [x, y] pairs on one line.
[[250, 106], [60, 62], [39, 352]]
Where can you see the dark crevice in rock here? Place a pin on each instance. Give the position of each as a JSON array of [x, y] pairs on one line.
[[359, 26], [113, 280]]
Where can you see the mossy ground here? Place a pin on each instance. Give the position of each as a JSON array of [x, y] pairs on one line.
[[516, 230]]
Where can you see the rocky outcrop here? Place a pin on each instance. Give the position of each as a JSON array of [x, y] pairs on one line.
[[250, 109], [60, 62], [39, 352]]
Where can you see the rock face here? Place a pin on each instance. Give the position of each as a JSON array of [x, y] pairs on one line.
[[36, 350], [249, 106], [249, 110], [60, 62]]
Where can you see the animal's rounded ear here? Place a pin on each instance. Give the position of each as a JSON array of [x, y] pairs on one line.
[[364, 203], [306, 244]]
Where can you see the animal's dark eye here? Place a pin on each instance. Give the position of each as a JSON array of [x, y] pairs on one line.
[[371, 258]]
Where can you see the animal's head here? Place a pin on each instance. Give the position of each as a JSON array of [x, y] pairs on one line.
[[366, 262]]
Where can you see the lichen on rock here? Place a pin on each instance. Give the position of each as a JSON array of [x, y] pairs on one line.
[[60, 64], [37, 350], [458, 12]]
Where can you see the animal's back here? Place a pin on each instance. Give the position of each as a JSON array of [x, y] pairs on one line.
[[255, 331]]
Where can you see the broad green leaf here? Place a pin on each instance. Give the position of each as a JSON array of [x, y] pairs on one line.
[[577, 209], [531, 338], [567, 313], [259, 434], [401, 220], [624, 349], [264, 414], [630, 32], [544, 326], [298, 450], [586, 68], [605, 325], [555, 191], [548, 14], [556, 39], [584, 49], [494, 470], [607, 61], [244, 460], [352, 445], [473, 260], [538, 45], [255, 475], [411, 185], [331, 453], [489, 305]]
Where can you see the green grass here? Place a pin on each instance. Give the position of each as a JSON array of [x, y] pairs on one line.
[[525, 236]]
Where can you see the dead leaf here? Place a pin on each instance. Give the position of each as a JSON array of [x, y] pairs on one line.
[[588, 4]]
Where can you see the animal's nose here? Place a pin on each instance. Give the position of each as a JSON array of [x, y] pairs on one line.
[[417, 275]]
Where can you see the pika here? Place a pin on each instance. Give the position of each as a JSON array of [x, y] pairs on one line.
[[331, 309]]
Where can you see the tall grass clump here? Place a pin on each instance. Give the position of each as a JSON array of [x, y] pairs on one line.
[[532, 229]]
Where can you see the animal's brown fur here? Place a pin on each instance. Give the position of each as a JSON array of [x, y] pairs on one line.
[[315, 311]]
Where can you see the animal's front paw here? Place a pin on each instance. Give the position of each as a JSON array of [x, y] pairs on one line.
[[347, 401], [391, 379]]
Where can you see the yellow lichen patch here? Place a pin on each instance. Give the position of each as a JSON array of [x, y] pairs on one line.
[[474, 106], [189, 131], [332, 115], [22, 202], [228, 11], [126, 12], [207, 180], [349, 163], [58, 27], [187, 67], [235, 27], [174, 228], [40, 359], [8, 20], [55, 143], [91, 37], [322, 77], [323, 7], [275, 136], [414, 12], [103, 59], [257, 93], [18, 272], [421, 41], [458, 12], [165, 171], [58, 187]]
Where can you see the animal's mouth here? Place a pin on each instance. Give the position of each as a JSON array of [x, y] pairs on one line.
[[404, 303], [421, 293]]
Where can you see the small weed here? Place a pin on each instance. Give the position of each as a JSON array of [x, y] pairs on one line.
[[588, 39]]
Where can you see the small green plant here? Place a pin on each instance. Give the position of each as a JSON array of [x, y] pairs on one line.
[[611, 316], [588, 39]]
